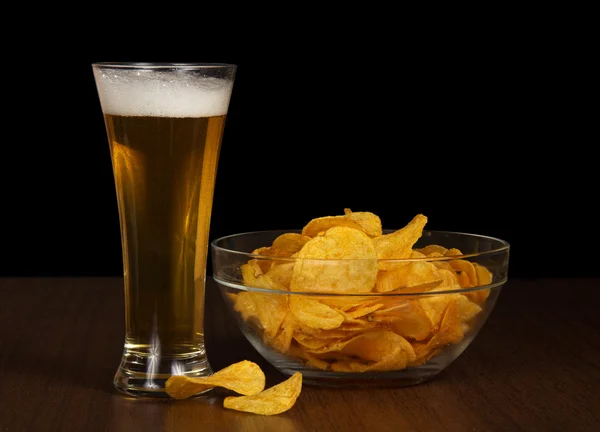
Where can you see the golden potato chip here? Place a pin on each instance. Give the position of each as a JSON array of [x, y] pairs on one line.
[[467, 275], [386, 349], [314, 314], [370, 222], [274, 400], [407, 319], [449, 279], [343, 365], [444, 265], [413, 276], [435, 307], [484, 277], [355, 268], [283, 340], [367, 222], [316, 344], [269, 309], [320, 225], [398, 245], [450, 331], [261, 265], [244, 377], [361, 311], [467, 310], [431, 249], [417, 254], [244, 304], [453, 252], [310, 359], [281, 274], [288, 244]]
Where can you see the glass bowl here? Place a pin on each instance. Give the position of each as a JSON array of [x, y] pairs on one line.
[[420, 315]]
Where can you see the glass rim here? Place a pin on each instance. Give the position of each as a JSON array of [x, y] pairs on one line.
[[369, 295], [504, 247], [163, 65]]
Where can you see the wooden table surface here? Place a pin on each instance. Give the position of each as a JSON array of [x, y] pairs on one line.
[[535, 366]]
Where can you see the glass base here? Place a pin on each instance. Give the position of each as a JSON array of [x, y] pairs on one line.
[[144, 374]]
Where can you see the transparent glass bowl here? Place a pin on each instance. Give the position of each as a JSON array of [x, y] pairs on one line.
[[397, 337]]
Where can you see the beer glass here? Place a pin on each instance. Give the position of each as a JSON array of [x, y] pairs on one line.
[[164, 124]]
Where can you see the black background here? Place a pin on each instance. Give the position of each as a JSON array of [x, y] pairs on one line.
[[481, 134]]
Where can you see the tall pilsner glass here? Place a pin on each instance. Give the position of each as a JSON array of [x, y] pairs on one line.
[[164, 124]]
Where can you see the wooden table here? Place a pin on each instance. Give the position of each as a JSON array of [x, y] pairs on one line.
[[535, 366]]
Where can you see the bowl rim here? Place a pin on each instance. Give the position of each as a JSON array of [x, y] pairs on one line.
[[504, 246], [366, 296]]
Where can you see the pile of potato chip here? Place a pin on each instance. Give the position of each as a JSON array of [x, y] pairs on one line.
[[343, 257]]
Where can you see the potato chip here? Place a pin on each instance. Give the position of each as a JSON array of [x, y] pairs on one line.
[[310, 359], [386, 349], [361, 311], [450, 331], [449, 279], [418, 275], [466, 268], [281, 274], [288, 244], [484, 277], [244, 304], [274, 400], [262, 264], [435, 307], [417, 254], [244, 377], [407, 319], [467, 310], [453, 252], [269, 309], [355, 270], [283, 340], [369, 222], [431, 249], [314, 314], [398, 245], [320, 225]]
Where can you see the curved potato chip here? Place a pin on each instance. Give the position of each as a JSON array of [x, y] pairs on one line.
[[408, 319], [450, 331], [274, 400], [370, 222], [453, 252], [433, 248], [398, 245], [244, 304], [283, 340], [269, 309], [314, 314], [484, 277], [464, 267], [281, 274], [261, 264], [244, 377], [355, 268], [414, 276], [322, 224], [449, 279], [386, 349], [288, 244]]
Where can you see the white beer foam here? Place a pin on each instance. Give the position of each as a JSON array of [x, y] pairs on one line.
[[154, 93]]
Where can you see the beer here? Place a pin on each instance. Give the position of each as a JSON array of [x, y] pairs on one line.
[[164, 131]]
